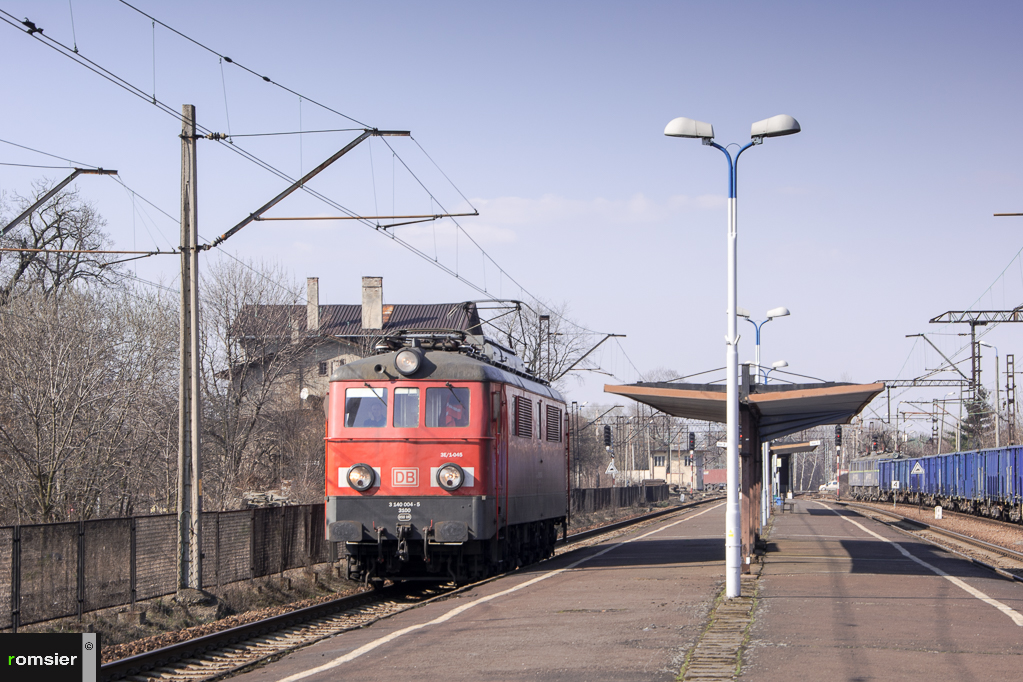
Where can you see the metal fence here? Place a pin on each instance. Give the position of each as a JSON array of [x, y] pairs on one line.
[[59, 570], [66, 569], [595, 499]]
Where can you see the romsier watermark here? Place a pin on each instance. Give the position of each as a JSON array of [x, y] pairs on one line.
[[54, 657]]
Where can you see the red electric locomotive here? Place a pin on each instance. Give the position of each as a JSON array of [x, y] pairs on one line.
[[445, 461]]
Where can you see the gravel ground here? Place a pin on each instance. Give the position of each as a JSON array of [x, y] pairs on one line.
[[995, 532], [139, 646]]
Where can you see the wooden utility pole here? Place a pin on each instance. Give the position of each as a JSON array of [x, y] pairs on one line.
[[189, 424]]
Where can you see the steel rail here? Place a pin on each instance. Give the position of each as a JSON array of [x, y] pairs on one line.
[[141, 663]]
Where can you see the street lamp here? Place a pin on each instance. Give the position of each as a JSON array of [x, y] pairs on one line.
[[776, 126], [998, 398], [765, 452], [771, 314], [774, 366]]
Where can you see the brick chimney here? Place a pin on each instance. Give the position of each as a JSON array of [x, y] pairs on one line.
[[372, 302], [312, 305]]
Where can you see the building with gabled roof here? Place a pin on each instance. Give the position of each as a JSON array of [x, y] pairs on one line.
[[332, 335]]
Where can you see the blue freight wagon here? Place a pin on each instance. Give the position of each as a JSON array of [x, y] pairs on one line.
[[985, 482]]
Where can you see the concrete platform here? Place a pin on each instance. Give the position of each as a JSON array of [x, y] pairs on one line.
[[842, 597], [625, 610], [839, 597]]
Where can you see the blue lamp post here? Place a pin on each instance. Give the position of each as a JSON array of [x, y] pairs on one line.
[[765, 491], [776, 126], [774, 366], [771, 314]]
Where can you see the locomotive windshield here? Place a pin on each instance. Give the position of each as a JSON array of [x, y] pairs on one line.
[[365, 407], [447, 407]]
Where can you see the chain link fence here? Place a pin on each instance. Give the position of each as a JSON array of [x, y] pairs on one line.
[[66, 569], [59, 570], [585, 500]]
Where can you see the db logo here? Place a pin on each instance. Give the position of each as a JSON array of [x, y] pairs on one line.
[[408, 478]]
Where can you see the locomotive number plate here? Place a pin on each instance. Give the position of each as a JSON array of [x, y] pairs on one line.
[[450, 454], [404, 516]]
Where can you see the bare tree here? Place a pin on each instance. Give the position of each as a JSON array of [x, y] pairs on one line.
[[544, 337], [65, 223], [589, 457], [250, 351], [81, 404]]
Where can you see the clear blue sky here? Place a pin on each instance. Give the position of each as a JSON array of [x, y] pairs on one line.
[[549, 118]]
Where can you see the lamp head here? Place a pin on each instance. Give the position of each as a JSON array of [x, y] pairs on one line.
[[779, 364], [777, 312], [776, 126], [687, 127], [741, 312]]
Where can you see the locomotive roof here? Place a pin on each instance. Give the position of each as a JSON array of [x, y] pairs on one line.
[[439, 365]]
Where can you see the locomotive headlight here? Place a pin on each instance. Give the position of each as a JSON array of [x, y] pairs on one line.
[[407, 361], [450, 477], [361, 477]]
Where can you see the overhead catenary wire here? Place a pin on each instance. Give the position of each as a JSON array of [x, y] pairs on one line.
[[296, 132], [74, 36], [227, 59], [138, 92], [71, 162], [227, 111], [31, 165], [34, 250], [68, 52], [174, 220], [72, 54]]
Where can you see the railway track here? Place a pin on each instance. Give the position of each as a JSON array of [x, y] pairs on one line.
[[1003, 560], [230, 651]]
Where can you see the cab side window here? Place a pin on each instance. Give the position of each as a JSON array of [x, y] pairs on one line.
[[447, 407]]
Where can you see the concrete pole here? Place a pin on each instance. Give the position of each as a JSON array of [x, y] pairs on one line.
[[189, 426]]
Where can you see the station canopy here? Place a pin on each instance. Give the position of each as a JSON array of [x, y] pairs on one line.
[[780, 409]]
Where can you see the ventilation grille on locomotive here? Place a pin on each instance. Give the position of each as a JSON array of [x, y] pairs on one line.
[[553, 424], [523, 417]]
